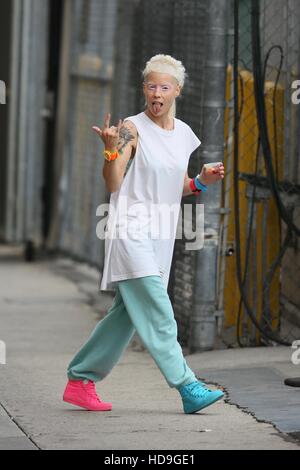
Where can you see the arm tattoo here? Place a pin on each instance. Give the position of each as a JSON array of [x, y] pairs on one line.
[[124, 138]]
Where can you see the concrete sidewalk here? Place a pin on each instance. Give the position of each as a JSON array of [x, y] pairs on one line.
[[47, 311]]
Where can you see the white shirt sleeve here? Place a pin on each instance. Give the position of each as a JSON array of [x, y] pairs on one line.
[[194, 142]]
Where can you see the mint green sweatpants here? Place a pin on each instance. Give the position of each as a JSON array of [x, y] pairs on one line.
[[141, 305]]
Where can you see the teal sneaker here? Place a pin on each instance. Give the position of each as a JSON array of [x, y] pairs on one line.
[[196, 396]]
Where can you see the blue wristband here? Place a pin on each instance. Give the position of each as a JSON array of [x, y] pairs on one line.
[[199, 185]]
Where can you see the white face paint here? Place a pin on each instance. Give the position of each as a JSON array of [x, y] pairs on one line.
[[160, 91]]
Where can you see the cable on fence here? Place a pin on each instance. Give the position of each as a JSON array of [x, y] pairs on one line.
[[261, 116], [269, 276]]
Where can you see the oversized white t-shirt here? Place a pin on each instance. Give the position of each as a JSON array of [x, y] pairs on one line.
[[144, 212]]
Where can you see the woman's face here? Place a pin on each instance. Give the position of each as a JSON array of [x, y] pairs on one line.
[[160, 90]]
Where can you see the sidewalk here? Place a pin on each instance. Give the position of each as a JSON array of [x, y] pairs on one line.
[[47, 311]]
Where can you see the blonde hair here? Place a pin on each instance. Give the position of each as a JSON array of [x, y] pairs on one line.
[[162, 63]]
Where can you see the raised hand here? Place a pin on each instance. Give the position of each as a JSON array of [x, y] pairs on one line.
[[109, 135]]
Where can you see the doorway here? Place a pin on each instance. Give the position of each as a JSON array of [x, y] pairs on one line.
[[50, 111], [5, 54]]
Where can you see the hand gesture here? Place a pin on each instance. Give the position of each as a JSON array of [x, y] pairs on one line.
[[109, 135]]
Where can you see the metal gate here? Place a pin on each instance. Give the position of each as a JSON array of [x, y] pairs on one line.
[[26, 100], [85, 97]]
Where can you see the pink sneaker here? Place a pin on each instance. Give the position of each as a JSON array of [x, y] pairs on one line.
[[83, 393]]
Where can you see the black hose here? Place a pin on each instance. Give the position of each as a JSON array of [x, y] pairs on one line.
[[269, 276]]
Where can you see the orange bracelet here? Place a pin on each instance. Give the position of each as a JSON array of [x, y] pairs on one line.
[[110, 156]]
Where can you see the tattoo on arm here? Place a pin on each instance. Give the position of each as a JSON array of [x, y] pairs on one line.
[[125, 137]]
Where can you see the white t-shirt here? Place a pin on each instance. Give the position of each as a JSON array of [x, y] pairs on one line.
[[143, 213]]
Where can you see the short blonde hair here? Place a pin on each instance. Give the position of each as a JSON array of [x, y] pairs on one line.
[[163, 63]]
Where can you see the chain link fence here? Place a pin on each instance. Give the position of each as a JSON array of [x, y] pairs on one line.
[[110, 43], [267, 182], [175, 27]]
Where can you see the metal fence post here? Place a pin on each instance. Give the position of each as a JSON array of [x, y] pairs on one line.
[[203, 320]]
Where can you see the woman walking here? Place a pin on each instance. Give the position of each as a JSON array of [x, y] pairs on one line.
[[156, 146]]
